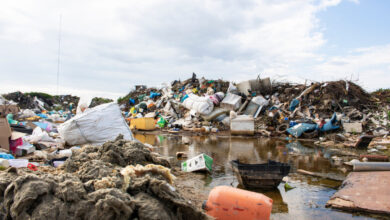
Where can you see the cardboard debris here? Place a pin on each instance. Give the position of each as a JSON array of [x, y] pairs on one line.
[[202, 162], [5, 133], [364, 191]]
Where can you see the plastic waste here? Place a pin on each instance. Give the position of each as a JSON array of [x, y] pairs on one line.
[[32, 167], [298, 129], [6, 156], [4, 163], [18, 163], [232, 88], [100, 124], [227, 203], [83, 104], [330, 125], [294, 103], [161, 122], [202, 105], [154, 95], [39, 135], [44, 125], [42, 115], [287, 187], [260, 100], [10, 118]]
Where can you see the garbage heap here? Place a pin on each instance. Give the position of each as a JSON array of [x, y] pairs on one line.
[[257, 106], [118, 180], [37, 101]]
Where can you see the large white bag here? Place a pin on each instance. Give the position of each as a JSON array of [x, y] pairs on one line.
[[202, 105], [96, 126]]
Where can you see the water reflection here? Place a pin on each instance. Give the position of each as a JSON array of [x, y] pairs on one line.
[[247, 150], [306, 201]]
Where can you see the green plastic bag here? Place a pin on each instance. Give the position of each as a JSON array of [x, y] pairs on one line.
[[161, 122]]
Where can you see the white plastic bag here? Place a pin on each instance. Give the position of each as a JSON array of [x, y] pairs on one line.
[[38, 135], [96, 126], [232, 88], [83, 104], [202, 105], [260, 100]]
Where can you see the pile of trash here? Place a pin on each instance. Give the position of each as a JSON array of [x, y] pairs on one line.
[[257, 106], [37, 101], [252, 107], [97, 182]]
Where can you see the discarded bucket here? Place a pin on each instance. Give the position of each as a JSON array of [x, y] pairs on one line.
[[225, 202]]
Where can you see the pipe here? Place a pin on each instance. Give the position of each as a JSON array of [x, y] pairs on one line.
[[371, 166]]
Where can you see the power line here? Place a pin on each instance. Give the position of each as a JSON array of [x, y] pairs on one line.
[[59, 52]]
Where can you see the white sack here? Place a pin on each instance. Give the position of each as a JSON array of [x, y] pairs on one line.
[[96, 126]]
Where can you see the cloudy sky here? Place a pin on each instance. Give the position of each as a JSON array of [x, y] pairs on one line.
[[107, 47]]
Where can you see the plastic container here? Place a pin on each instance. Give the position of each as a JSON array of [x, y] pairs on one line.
[[4, 163], [18, 163], [58, 163], [143, 123], [242, 125], [225, 202]]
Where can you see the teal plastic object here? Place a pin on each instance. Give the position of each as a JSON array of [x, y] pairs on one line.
[[294, 103], [6, 156], [330, 125], [299, 129], [10, 119]]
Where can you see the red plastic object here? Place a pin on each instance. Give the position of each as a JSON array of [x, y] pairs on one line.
[[32, 167], [13, 144], [228, 203]]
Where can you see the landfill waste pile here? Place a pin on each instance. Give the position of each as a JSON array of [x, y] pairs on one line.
[[258, 107], [97, 182], [40, 101], [81, 160]]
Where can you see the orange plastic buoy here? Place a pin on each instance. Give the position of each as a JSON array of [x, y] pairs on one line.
[[225, 203]]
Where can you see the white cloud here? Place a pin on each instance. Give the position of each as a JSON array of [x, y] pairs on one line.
[[110, 46], [369, 66]]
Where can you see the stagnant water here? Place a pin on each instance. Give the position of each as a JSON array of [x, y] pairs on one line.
[[306, 201]]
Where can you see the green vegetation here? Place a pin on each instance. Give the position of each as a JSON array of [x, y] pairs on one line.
[[121, 99], [98, 101], [39, 95], [381, 90]]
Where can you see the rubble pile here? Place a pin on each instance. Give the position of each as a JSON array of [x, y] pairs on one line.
[[90, 186]]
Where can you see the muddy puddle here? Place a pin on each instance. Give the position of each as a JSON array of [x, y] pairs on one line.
[[306, 201]]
